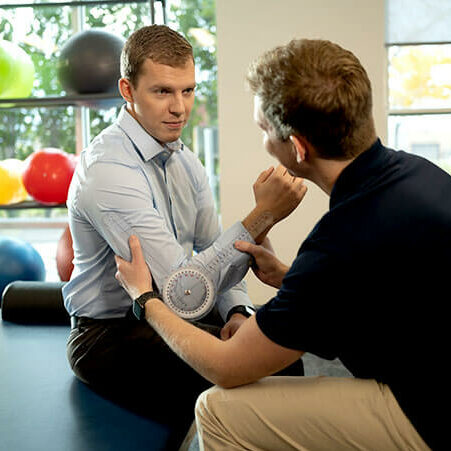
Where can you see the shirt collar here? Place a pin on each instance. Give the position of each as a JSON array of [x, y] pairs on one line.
[[359, 174], [147, 146]]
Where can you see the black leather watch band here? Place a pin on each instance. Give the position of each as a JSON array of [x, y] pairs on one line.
[[140, 302], [245, 310]]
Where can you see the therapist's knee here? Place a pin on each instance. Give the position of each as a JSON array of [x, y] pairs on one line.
[[215, 412], [206, 405]]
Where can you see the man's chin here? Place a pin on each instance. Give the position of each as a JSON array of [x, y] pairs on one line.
[[174, 137], [165, 138]]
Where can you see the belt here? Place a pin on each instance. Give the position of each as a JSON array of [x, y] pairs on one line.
[[78, 321]]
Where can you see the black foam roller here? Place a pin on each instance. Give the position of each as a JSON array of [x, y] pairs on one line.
[[34, 303]]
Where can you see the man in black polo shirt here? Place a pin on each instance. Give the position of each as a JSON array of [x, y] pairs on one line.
[[368, 284]]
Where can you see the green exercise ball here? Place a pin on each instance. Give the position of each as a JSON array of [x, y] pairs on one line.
[[16, 71]]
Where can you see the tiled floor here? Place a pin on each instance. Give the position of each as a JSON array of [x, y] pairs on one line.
[[314, 366]]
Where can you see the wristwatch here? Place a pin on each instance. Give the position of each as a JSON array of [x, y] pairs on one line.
[[245, 310], [140, 302]]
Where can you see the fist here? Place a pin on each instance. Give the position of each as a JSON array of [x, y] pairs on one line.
[[278, 192]]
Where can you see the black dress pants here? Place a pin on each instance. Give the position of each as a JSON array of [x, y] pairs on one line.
[[126, 361]]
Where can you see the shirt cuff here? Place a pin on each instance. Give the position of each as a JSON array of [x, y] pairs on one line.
[[231, 264]]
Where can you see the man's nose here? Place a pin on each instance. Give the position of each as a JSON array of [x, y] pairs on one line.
[[177, 105]]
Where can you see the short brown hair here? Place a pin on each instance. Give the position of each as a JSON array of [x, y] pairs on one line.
[[159, 43], [321, 91]]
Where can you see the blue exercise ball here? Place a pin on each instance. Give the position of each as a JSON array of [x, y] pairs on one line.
[[90, 62], [19, 260]]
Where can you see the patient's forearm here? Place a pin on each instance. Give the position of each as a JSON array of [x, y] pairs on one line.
[[258, 223]]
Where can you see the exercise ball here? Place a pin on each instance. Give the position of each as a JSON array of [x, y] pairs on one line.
[[12, 189], [16, 71], [90, 62], [47, 175], [65, 255], [19, 260]]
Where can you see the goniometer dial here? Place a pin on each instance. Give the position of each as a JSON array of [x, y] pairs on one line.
[[189, 293]]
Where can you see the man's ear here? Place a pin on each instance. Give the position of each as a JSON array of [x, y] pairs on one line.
[[299, 147], [125, 88]]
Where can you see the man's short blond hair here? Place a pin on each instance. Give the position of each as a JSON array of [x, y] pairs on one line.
[[319, 90], [159, 43]]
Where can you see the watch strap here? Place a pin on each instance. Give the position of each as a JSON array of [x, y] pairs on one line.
[[140, 302]]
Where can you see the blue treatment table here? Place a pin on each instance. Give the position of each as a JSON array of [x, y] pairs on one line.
[[43, 407]]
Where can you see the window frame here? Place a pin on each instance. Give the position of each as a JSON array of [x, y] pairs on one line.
[[410, 112]]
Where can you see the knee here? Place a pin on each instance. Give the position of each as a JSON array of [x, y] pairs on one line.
[[211, 412], [205, 404]]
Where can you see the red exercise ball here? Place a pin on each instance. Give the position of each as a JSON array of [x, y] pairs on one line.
[[65, 255], [47, 175]]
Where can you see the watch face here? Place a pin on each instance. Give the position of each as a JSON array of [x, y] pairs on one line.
[[189, 293], [138, 310]]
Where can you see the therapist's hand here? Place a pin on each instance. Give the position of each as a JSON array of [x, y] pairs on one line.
[[267, 267], [135, 275]]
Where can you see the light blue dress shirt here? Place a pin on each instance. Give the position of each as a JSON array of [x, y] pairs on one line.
[[127, 183]]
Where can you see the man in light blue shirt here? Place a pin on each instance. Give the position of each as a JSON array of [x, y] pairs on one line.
[[169, 204], [137, 178]]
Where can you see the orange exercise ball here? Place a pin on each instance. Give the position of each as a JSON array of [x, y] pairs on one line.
[[12, 189], [65, 255]]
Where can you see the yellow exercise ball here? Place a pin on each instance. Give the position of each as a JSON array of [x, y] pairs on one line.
[[12, 189]]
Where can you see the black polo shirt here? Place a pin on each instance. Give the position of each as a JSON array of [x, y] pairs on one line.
[[370, 284]]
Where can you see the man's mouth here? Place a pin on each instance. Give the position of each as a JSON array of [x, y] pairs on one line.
[[174, 125]]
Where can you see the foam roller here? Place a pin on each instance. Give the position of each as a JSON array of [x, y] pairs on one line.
[[34, 303]]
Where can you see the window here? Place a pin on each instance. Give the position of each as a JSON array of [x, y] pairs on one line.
[[419, 78], [41, 30], [196, 20]]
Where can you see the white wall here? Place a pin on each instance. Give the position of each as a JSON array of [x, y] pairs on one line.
[[246, 28]]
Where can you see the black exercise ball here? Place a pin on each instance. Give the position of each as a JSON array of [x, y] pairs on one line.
[[90, 62]]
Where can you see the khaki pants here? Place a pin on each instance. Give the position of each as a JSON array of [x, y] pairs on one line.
[[304, 413]]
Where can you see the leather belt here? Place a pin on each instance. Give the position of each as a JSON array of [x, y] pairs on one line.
[[78, 321]]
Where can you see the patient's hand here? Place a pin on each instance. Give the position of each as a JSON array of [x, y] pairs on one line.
[[234, 323], [278, 192]]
